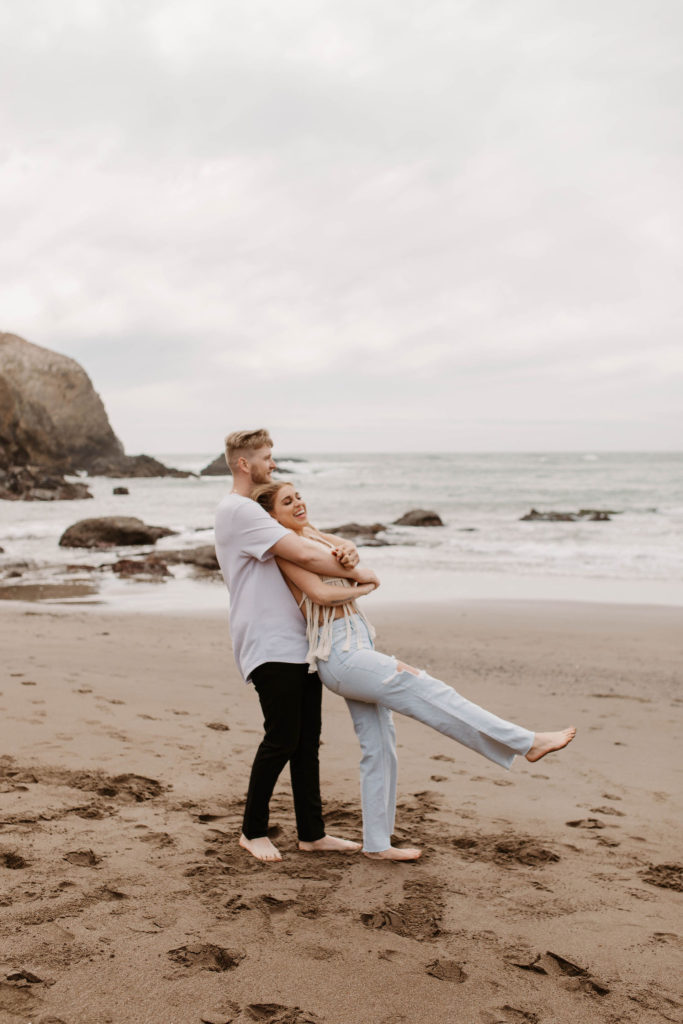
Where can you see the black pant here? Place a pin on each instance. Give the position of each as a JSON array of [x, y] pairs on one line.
[[291, 700]]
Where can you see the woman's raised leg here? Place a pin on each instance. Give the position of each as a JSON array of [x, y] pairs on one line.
[[368, 675]]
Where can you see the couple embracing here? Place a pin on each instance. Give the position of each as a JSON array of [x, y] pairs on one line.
[[294, 623]]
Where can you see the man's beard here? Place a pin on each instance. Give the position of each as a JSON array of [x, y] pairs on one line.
[[260, 476]]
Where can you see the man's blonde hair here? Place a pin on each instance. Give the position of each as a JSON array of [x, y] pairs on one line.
[[241, 441]]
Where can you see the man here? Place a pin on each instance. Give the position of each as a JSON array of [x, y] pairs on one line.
[[270, 646]]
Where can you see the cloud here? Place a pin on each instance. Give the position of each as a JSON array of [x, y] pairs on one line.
[[268, 202]]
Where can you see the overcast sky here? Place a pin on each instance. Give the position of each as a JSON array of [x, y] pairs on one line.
[[366, 224]]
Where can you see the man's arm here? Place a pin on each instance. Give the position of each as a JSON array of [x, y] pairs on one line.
[[309, 555]]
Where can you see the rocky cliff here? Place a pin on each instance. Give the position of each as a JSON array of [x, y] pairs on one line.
[[51, 418], [50, 414]]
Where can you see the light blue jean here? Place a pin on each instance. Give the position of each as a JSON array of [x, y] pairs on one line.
[[373, 687]]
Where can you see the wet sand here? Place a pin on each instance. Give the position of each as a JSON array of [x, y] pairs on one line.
[[548, 894]]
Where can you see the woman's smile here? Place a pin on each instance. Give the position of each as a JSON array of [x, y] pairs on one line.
[[290, 509]]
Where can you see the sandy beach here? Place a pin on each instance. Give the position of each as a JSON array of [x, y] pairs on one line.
[[546, 895]]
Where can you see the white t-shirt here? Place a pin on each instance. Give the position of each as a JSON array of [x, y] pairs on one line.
[[265, 623]]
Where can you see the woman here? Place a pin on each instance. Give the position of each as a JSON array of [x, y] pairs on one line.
[[373, 684]]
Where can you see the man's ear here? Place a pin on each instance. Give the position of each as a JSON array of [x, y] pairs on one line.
[[243, 464]]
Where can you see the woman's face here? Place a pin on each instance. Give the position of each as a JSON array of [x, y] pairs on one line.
[[289, 508]]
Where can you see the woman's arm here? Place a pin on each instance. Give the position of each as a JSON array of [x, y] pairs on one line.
[[309, 555], [345, 551], [329, 595]]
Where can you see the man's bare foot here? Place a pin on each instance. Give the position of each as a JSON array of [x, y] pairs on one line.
[[261, 848], [329, 844], [395, 853], [545, 742]]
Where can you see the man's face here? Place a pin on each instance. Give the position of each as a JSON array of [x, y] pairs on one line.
[[261, 465]]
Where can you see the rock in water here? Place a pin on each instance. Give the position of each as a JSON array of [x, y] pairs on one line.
[[50, 414], [35, 483], [593, 515], [361, 534], [111, 531], [419, 517], [218, 467], [204, 557], [134, 466]]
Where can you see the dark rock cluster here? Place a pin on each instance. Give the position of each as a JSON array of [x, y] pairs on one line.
[[367, 535], [359, 534], [157, 563], [35, 483], [204, 557], [133, 466], [419, 517], [592, 515], [218, 467]]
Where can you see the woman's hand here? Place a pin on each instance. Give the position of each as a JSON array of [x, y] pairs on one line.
[[346, 554]]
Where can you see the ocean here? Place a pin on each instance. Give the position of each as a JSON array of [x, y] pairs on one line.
[[483, 550]]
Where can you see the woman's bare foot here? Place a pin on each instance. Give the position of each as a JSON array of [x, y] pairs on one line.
[[261, 848], [329, 844], [545, 742], [395, 853]]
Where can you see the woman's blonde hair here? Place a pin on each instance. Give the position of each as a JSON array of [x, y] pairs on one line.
[[265, 494]]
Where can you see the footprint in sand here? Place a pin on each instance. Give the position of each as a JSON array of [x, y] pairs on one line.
[[17, 999], [514, 1016], [668, 939], [506, 850], [606, 841], [160, 839], [553, 965], [342, 815], [12, 860], [387, 954], [83, 858], [220, 1016], [106, 894], [446, 970], [266, 904], [665, 876], [25, 976], [277, 1013], [206, 957], [418, 915], [320, 953]]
